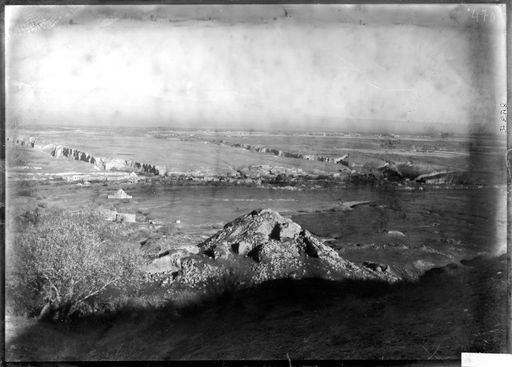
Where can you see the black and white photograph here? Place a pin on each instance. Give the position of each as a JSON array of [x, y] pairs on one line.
[[255, 182]]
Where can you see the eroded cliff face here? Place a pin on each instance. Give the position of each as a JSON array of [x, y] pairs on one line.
[[253, 174], [261, 246], [280, 153], [372, 171], [104, 164]]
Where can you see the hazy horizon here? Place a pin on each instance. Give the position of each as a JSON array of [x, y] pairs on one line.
[[301, 67]]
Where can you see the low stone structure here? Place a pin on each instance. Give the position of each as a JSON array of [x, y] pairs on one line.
[[125, 217]]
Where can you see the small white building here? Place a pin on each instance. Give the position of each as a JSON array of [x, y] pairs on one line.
[[120, 194]]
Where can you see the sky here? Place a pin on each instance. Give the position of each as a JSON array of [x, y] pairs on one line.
[[372, 67]]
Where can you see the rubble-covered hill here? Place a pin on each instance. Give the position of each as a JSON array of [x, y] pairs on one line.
[[263, 245]]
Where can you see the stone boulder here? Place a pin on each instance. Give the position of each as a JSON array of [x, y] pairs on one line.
[[170, 261], [375, 266], [245, 233]]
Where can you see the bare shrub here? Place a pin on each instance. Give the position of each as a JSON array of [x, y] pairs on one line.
[[65, 259]]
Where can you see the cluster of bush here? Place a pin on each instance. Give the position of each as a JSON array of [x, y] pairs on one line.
[[66, 263]]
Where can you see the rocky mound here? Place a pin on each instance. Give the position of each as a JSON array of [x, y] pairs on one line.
[[263, 245]]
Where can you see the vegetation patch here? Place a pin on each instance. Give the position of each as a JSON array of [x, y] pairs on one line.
[[63, 262]]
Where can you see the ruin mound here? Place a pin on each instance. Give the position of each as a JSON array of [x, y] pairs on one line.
[[263, 245]]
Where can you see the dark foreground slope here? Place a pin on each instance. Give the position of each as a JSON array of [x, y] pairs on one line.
[[448, 310]]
